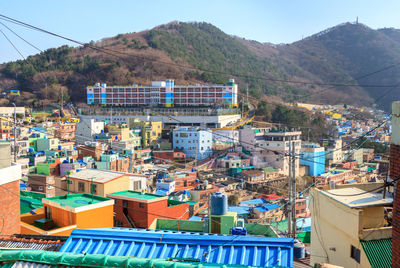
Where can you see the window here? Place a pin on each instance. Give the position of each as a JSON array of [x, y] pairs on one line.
[[141, 205], [137, 185], [49, 187], [81, 187], [94, 189], [355, 254], [297, 212], [40, 188]]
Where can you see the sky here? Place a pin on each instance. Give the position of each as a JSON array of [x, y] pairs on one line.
[[279, 21]]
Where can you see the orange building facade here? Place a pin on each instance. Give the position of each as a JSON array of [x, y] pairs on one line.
[[61, 214]]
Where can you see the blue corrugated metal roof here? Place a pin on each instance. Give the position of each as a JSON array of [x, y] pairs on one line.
[[271, 206], [210, 248], [240, 210], [254, 202]]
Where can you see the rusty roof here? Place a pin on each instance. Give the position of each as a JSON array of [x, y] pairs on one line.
[[12, 242]]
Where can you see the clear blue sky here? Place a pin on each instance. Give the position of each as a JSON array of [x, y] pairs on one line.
[[279, 21]]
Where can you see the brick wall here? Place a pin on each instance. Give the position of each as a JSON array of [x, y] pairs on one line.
[[144, 215], [394, 174], [10, 208]]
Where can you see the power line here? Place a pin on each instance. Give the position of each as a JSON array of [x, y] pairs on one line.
[[19, 52], [35, 47], [115, 53]]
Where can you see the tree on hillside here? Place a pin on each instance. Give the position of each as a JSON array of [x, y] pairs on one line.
[[55, 92], [263, 109]]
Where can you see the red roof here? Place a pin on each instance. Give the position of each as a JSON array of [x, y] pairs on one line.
[[270, 196]]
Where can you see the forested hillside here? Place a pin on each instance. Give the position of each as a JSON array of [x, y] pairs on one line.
[[202, 53]]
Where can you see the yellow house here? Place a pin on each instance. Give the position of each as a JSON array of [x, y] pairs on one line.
[[349, 228], [5, 127], [95, 181], [120, 130], [150, 131], [61, 214]]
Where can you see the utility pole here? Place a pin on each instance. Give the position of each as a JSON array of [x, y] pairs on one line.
[[15, 133], [62, 105], [111, 116], [195, 158], [294, 226], [290, 191]]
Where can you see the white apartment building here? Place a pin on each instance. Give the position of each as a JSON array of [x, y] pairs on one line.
[[271, 147], [334, 153], [86, 129], [195, 143]]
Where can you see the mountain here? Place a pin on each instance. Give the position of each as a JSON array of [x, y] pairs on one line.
[[200, 52]]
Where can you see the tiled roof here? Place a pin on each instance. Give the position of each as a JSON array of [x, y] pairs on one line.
[[23, 243], [379, 252], [208, 248]]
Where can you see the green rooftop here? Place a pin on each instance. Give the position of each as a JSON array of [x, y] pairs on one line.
[[30, 201], [77, 200], [137, 195]]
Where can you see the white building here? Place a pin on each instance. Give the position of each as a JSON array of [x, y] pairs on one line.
[[226, 136], [193, 142], [270, 147], [334, 152], [86, 129], [9, 111]]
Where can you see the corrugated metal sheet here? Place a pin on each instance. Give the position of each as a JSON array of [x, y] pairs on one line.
[[16, 243], [38, 258], [379, 252], [27, 264], [209, 248]]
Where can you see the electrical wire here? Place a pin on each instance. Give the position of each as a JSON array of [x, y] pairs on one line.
[[19, 52], [35, 47], [115, 53]]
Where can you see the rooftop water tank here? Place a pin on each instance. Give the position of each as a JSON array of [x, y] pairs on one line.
[[299, 250], [219, 204]]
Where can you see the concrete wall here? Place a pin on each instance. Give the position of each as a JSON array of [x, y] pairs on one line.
[[335, 228], [217, 121], [86, 128]]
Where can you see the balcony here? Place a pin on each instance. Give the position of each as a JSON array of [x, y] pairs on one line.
[[376, 233]]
